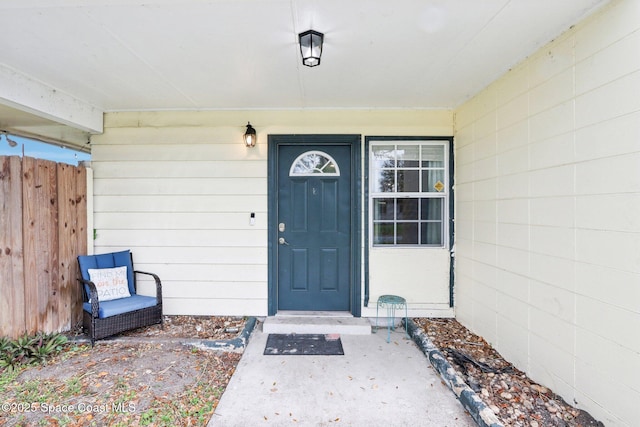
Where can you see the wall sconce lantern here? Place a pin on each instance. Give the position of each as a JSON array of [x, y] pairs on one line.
[[311, 47], [250, 136]]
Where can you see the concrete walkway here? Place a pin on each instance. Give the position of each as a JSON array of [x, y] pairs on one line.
[[374, 384]]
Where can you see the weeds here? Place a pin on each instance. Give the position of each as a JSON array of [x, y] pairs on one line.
[[29, 350]]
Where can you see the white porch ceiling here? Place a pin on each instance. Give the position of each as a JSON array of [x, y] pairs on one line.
[[68, 61]]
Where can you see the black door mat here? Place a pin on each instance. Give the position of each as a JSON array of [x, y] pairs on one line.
[[304, 345]]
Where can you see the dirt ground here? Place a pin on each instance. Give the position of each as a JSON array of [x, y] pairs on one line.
[[195, 327], [152, 379]]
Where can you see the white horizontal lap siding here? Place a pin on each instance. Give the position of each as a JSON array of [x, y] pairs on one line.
[[548, 214], [171, 169], [180, 238], [178, 203], [179, 186], [181, 198]]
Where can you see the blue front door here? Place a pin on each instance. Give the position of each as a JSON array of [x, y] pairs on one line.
[[314, 220]]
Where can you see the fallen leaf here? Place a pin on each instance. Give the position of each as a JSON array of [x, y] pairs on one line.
[[103, 374]]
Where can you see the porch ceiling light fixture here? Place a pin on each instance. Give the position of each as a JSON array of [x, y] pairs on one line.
[[250, 136], [311, 47]]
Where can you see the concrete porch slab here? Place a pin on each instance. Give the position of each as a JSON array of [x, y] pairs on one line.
[[375, 383]]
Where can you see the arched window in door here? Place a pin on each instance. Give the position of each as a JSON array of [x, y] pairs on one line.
[[314, 163]]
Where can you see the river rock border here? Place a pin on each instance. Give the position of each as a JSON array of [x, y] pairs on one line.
[[235, 344], [479, 411]]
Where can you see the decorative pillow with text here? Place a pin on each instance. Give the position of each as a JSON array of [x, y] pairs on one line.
[[110, 282]]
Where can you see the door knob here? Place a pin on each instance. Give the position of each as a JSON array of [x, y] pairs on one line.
[[282, 241]]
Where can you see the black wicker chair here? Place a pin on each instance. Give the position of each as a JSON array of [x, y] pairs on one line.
[[107, 318]]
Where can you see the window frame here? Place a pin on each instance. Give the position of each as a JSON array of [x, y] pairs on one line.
[[444, 195]]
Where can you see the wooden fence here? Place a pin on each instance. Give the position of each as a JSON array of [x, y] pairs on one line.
[[43, 227]]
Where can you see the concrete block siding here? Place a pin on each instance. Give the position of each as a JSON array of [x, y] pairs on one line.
[[548, 214]]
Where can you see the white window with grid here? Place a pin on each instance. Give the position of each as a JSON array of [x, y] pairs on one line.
[[408, 193]]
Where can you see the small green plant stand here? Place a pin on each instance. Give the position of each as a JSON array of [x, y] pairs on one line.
[[391, 303]]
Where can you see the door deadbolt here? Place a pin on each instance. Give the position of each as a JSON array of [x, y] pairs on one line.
[[281, 227]]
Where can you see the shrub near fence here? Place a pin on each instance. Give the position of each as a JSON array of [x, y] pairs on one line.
[[43, 227]]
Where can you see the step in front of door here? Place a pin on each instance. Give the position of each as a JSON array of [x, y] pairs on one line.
[[316, 325]]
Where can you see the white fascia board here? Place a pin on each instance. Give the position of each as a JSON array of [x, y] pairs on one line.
[[20, 91]]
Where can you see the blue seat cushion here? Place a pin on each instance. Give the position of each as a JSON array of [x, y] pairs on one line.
[[122, 305], [108, 260]]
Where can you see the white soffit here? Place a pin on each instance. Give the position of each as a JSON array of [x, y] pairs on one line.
[[70, 60]]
